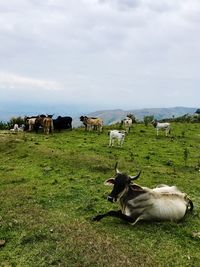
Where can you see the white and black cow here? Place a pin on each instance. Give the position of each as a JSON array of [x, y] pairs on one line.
[[163, 203], [165, 126]]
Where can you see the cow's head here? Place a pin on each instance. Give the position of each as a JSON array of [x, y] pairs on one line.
[[120, 183], [49, 116], [154, 123], [83, 118]]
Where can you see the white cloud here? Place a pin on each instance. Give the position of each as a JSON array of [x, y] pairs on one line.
[[17, 82], [127, 50]]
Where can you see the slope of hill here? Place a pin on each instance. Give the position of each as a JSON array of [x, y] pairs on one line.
[[113, 116]]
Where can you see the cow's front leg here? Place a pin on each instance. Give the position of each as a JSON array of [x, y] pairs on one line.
[[113, 213]]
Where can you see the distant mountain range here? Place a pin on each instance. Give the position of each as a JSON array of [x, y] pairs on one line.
[[109, 116], [112, 116]]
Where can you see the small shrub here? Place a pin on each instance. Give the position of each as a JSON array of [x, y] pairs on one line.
[[185, 155]]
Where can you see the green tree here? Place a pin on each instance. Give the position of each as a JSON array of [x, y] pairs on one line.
[[148, 119], [3, 125], [16, 120], [197, 111]]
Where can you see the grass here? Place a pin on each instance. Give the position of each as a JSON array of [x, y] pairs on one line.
[[51, 187]]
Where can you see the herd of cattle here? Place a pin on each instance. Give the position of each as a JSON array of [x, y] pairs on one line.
[[136, 203], [48, 124]]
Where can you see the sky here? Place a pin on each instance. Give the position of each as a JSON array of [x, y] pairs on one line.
[[100, 54]]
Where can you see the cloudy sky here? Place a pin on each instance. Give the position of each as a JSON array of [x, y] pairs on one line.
[[100, 53]]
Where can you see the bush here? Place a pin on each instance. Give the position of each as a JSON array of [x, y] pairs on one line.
[[148, 119], [16, 120], [3, 125]]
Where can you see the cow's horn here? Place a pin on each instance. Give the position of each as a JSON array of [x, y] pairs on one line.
[[117, 171], [135, 177]]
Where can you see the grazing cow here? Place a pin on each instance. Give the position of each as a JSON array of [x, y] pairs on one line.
[[92, 122], [116, 135], [163, 203], [62, 123], [127, 124], [165, 126]]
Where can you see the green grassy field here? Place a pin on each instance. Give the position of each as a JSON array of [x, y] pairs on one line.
[[51, 187]]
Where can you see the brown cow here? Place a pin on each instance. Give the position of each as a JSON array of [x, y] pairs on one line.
[[46, 123], [92, 122]]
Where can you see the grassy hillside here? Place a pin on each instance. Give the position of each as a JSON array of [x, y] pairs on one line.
[[51, 187]]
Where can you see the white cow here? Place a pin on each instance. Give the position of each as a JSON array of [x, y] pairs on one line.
[[127, 124], [116, 135], [16, 128], [165, 126], [31, 123]]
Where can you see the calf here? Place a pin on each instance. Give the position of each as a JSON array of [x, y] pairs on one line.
[[161, 126], [116, 135], [163, 203]]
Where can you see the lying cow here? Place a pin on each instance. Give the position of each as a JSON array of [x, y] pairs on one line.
[[16, 128], [163, 203], [165, 126], [116, 135]]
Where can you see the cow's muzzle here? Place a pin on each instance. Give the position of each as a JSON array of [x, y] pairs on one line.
[[111, 199]]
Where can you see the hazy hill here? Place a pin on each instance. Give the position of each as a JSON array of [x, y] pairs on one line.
[[109, 116], [113, 116]]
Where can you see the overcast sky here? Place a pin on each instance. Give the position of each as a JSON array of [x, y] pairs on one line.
[[100, 53]]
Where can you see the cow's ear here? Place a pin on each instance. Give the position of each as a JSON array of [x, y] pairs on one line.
[[136, 187], [110, 181]]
